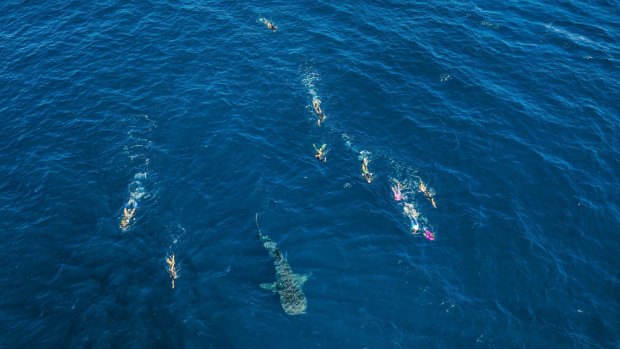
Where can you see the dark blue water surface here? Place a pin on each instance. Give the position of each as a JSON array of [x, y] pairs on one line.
[[507, 110]]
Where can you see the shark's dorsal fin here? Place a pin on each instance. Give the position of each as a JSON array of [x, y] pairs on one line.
[[269, 287]]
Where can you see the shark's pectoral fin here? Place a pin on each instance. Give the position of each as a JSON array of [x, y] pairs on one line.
[[269, 287], [301, 278]]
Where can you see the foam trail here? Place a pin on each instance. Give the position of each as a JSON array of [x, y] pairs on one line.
[[348, 142], [310, 79], [137, 151]]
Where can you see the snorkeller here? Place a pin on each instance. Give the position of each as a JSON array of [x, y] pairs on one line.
[[316, 104], [172, 270], [128, 211], [429, 235], [413, 215], [397, 190], [427, 193], [365, 173], [269, 25], [321, 153]]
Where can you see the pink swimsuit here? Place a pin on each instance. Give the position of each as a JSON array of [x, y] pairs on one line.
[[429, 234], [397, 194]]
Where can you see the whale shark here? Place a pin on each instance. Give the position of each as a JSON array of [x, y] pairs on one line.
[[288, 284]]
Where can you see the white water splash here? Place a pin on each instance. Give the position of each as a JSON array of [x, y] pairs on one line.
[[445, 77], [310, 79]]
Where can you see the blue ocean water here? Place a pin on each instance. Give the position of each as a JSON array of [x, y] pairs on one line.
[[507, 111]]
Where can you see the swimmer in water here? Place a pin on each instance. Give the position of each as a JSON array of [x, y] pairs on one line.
[[269, 25], [172, 270], [413, 215], [320, 153], [397, 190], [427, 193], [316, 104], [365, 173], [429, 235], [128, 211]]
